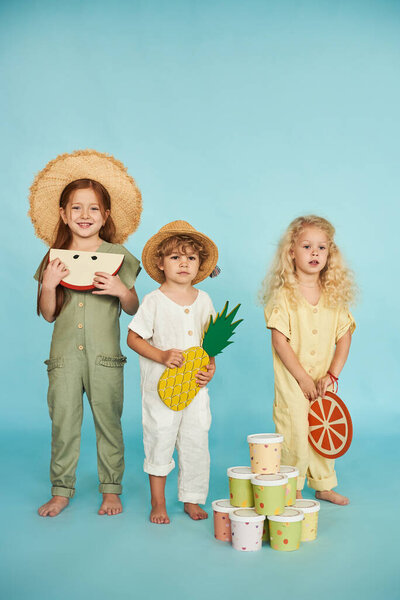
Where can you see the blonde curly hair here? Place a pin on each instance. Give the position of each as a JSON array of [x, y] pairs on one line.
[[336, 280]]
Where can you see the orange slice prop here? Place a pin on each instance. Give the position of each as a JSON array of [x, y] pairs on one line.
[[330, 426]]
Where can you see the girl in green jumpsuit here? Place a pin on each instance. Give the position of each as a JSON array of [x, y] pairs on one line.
[[85, 354]]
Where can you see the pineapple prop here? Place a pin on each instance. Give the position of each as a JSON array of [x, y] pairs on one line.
[[177, 387]]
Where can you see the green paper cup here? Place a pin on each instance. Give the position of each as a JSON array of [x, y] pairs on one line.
[[309, 527], [269, 493], [240, 488], [291, 473], [265, 452], [285, 530]]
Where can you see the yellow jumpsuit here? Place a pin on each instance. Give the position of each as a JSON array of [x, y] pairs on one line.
[[312, 332]]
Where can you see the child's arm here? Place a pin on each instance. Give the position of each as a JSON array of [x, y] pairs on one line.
[[337, 364], [112, 285], [291, 362], [170, 358], [204, 377], [52, 275]]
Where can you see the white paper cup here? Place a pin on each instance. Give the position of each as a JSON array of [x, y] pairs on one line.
[[247, 529]]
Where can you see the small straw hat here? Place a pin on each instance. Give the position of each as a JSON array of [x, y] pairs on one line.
[[45, 192], [149, 254]]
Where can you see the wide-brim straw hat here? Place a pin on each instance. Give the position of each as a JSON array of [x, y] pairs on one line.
[[45, 192], [150, 258]]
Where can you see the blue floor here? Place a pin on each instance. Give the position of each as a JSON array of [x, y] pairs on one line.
[[82, 555]]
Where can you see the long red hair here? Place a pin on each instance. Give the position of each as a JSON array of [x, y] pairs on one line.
[[63, 232]]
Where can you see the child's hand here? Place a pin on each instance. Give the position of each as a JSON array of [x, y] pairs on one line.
[[322, 385], [54, 273], [204, 377], [108, 284], [172, 358], [308, 388]]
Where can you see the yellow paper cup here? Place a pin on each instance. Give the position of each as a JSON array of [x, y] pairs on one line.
[[265, 452], [285, 530], [269, 493], [240, 488], [309, 528], [292, 474]]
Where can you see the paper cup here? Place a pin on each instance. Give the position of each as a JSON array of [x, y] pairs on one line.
[[269, 493], [247, 529], [291, 473], [240, 488], [222, 524], [309, 527], [285, 530], [265, 452]]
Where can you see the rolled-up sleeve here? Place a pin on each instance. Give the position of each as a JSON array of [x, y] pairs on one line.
[[277, 315], [345, 322], [143, 322]]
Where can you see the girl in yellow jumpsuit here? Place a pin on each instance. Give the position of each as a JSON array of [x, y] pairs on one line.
[[306, 295]]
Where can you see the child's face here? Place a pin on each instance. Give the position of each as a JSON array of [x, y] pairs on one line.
[[180, 267], [310, 251], [83, 214]]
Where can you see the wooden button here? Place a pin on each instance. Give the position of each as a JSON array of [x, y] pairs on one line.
[[310, 371], [315, 310], [80, 325], [312, 352], [315, 331], [276, 310], [80, 304], [187, 311], [190, 332], [80, 347]]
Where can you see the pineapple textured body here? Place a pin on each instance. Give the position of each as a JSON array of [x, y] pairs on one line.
[[178, 387]]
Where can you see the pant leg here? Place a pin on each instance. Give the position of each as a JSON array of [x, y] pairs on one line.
[[66, 412], [192, 446], [103, 382], [160, 430], [321, 472], [290, 416]]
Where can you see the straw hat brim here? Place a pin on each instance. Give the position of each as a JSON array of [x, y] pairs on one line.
[[45, 192], [149, 254]]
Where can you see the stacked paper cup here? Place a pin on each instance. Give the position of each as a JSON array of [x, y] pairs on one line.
[[262, 505]]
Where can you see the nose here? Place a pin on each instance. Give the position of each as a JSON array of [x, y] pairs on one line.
[[315, 251]]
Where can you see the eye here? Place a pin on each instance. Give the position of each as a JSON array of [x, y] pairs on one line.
[[192, 257], [93, 257], [322, 247], [76, 256], [306, 246], [94, 208], [174, 257]]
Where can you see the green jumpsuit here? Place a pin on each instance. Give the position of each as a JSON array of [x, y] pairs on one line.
[[85, 356]]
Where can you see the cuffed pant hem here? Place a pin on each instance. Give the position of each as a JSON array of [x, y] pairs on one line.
[[110, 488], [320, 485], [62, 491], [158, 470], [300, 483], [193, 498]]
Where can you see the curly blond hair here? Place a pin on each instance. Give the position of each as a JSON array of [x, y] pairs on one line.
[[336, 280]]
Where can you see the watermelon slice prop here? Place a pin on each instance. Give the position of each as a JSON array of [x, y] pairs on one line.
[[83, 265], [330, 426]]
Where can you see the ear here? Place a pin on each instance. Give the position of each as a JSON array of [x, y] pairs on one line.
[[291, 253], [63, 215], [160, 264], [105, 216]]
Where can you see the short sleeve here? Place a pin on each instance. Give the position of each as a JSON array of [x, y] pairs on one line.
[[130, 268], [277, 315], [345, 322], [37, 274], [143, 322]]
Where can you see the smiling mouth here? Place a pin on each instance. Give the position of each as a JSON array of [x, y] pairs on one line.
[[85, 225]]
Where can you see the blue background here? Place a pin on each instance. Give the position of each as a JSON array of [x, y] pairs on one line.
[[237, 117]]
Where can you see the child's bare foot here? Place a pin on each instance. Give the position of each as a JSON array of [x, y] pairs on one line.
[[331, 496], [53, 507], [194, 511], [159, 514], [111, 505], [299, 495]]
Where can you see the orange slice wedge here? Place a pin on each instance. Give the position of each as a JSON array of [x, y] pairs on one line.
[[330, 426]]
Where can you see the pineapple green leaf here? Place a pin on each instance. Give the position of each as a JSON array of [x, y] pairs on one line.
[[216, 335]]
